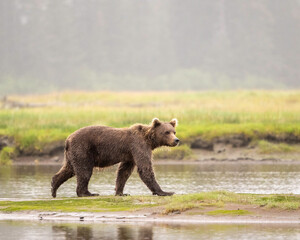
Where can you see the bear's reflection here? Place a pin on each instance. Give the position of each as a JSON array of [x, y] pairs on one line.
[[106, 232], [145, 233], [69, 232], [128, 233]]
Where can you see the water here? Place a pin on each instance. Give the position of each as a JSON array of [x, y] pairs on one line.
[[26, 182], [52, 230], [34, 181]]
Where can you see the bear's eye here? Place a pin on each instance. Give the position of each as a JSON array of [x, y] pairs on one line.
[[174, 133], [167, 132]]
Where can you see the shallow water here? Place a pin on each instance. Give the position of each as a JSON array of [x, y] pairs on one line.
[[81, 230], [34, 181]]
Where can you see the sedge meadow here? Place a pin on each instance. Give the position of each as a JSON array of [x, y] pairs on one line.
[[35, 121]]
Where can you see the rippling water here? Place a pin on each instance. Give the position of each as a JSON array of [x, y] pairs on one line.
[[34, 181], [51, 230]]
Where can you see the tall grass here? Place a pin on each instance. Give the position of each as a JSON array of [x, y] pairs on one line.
[[207, 114]]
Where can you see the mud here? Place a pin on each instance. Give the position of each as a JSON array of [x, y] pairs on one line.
[[242, 140]]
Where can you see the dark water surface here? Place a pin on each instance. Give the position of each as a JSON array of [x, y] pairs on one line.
[[53, 230], [34, 181]]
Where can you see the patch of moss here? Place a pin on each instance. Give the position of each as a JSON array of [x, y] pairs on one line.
[[6, 154], [228, 212]]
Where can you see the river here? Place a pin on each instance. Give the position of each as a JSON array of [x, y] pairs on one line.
[[33, 181]]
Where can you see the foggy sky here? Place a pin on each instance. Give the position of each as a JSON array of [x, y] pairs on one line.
[[50, 45]]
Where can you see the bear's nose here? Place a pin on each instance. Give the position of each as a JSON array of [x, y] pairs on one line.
[[176, 140]]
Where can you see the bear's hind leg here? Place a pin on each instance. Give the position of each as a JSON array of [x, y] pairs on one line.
[[124, 171], [59, 178], [83, 179]]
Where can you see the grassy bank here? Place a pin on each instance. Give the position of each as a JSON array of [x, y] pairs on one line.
[[162, 205], [44, 119]]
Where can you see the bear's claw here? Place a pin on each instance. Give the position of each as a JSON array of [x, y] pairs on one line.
[[53, 193], [163, 193], [122, 194], [88, 195]]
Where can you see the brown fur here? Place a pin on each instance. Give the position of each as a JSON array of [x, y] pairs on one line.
[[101, 146]]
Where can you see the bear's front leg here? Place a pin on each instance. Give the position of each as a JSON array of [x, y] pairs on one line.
[[146, 173], [142, 157]]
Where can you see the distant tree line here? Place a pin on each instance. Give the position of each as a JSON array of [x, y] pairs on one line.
[[50, 45]]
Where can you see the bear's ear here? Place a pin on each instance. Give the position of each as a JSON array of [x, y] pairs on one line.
[[174, 122], [155, 122]]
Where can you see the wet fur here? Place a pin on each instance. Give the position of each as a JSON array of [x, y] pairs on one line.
[[101, 146]]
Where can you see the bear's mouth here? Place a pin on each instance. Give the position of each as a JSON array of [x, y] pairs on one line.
[[174, 144]]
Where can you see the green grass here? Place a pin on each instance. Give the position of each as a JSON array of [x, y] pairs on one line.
[[266, 147], [102, 204], [205, 114], [221, 198], [167, 204], [178, 153]]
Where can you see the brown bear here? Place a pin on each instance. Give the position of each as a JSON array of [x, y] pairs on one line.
[[101, 146]]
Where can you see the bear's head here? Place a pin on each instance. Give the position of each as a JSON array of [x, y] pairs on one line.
[[163, 133]]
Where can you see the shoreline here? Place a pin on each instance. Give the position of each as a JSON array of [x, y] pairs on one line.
[[58, 161], [128, 217]]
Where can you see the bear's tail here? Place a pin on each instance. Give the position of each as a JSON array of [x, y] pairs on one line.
[[66, 153], [66, 145]]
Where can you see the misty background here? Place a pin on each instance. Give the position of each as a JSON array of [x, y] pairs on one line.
[[53, 45]]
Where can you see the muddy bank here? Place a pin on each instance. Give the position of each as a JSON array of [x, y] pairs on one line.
[[223, 154], [227, 153], [231, 148], [242, 140]]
